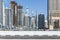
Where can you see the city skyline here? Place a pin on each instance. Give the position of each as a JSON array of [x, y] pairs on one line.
[[27, 15], [41, 8], [14, 18]]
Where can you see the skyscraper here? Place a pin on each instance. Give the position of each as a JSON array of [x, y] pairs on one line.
[[29, 21], [33, 24], [1, 13], [13, 5], [19, 15], [41, 21], [53, 14], [8, 23], [46, 25], [26, 18]]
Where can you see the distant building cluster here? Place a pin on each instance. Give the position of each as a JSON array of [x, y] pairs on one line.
[[14, 18]]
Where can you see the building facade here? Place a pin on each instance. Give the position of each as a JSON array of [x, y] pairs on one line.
[[46, 25], [29, 21], [33, 24], [53, 14], [8, 24], [41, 21], [19, 15], [26, 18], [13, 6], [1, 13], [6, 17]]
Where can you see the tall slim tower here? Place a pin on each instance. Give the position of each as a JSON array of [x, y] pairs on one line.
[[4, 15], [26, 18], [8, 13], [19, 15], [13, 6], [53, 14], [33, 22], [1, 13]]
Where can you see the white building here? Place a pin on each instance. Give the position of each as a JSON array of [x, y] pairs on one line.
[[46, 25], [26, 18], [33, 25], [4, 15]]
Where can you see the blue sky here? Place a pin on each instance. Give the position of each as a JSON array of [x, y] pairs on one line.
[[34, 5]]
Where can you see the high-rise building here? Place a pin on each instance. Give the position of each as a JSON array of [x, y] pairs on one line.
[[53, 14], [8, 19], [33, 24], [8, 23], [20, 15], [1, 13], [13, 5], [41, 21], [46, 25], [26, 18], [23, 18], [29, 21], [36, 20]]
